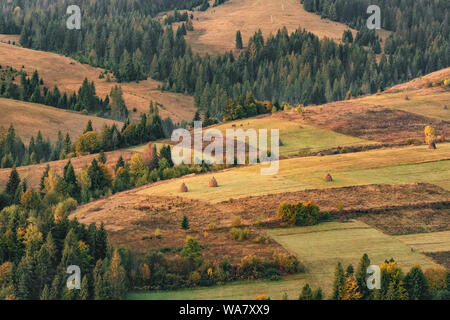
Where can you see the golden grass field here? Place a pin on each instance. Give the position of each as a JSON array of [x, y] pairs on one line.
[[215, 29], [320, 248], [69, 74], [295, 135], [422, 102], [427, 242], [428, 102], [28, 118], [389, 166]]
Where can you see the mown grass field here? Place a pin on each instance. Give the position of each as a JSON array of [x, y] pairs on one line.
[[388, 166], [421, 102], [28, 118], [215, 29], [427, 242], [320, 248], [295, 137]]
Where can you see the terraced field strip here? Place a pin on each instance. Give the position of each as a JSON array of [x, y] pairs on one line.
[[427, 242], [296, 137], [321, 247], [387, 166]]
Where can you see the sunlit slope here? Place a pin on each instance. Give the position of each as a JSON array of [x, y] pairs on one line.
[[389, 166], [28, 118], [69, 74], [215, 29]]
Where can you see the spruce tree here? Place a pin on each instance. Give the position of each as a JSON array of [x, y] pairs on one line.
[[13, 183], [88, 127], [416, 284], [339, 282], [185, 223], [239, 44], [361, 276]]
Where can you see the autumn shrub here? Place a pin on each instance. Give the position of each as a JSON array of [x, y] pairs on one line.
[[302, 215], [212, 226], [239, 234], [288, 263]]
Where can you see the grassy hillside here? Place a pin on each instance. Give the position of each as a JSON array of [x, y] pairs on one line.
[[427, 242], [215, 29], [69, 75], [422, 99], [28, 118], [295, 135], [320, 248], [390, 166]]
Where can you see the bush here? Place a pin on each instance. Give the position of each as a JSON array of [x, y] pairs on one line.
[[288, 263], [239, 234], [302, 215], [212, 226]]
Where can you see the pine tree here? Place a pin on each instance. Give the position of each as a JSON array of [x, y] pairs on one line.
[[89, 127], [73, 189], [102, 157], [361, 276], [45, 294], [339, 282], [44, 175], [416, 284], [239, 44], [306, 293], [13, 183], [84, 293], [185, 223]]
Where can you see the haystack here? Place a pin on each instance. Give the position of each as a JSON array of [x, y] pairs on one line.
[[432, 146], [183, 188], [213, 183], [328, 178]]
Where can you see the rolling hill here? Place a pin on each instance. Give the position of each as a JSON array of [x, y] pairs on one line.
[[69, 74], [29, 118], [215, 29]]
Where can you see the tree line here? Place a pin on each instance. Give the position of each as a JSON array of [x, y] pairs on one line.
[[32, 89], [293, 68], [14, 152]]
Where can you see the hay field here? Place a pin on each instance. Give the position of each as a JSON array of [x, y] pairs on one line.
[[28, 118], [387, 166], [425, 102], [295, 135], [427, 242], [215, 29], [320, 248], [69, 74]]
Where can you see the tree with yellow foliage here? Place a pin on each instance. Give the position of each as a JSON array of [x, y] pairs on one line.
[[430, 134], [350, 290]]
